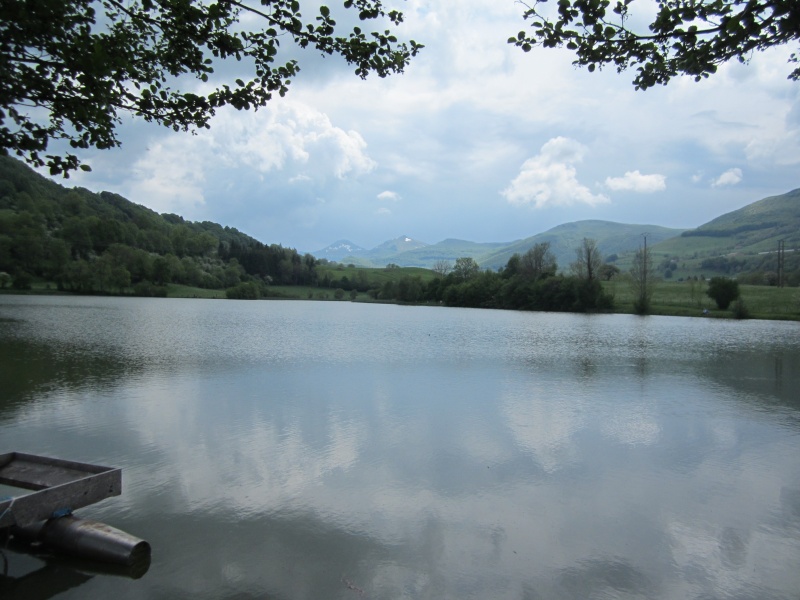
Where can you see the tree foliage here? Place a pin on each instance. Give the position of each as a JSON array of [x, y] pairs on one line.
[[517, 286], [70, 68], [684, 37], [723, 291], [538, 262], [465, 268], [103, 243], [608, 271]]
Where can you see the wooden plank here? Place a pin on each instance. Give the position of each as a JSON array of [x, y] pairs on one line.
[[59, 486]]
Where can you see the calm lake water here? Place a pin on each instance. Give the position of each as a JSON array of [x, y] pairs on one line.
[[330, 450]]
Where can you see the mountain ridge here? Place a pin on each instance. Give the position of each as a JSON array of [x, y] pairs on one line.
[[611, 237], [752, 230]]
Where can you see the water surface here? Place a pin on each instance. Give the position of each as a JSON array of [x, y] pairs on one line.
[[336, 450]]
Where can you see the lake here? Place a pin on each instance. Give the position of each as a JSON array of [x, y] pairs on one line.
[[333, 450]]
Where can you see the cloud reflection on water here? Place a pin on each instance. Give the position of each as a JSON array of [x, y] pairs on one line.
[[489, 468]]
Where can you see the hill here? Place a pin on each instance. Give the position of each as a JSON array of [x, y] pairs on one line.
[[743, 242], [103, 243], [612, 238], [340, 251], [754, 228], [447, 250], [380, 256]]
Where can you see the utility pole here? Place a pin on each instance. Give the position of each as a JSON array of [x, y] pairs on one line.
[[644, 256], [781, 255]]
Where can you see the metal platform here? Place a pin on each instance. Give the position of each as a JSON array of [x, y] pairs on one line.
[[58, 487]]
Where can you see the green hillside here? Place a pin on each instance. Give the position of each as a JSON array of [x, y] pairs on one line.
[[79, 241], [76, 240], [754, 228], [449, 250], [742, 243], [611, 238]]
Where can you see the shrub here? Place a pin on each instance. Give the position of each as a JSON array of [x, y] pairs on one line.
[[22, 281], [740, 311], [243, 291], [723, 291], [147, 289]]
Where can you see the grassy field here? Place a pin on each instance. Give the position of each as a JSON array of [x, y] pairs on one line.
[[175, 290], [276, 292], [374, 277], [674, 298], [688, 298]]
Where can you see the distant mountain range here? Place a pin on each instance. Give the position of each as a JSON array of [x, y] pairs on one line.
[[752, 230], [44, 226], [406, 252]]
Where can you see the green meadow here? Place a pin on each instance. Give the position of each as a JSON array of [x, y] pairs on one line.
[[688, 298]]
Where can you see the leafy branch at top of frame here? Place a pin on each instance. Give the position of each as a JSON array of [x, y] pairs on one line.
[[685, 37]]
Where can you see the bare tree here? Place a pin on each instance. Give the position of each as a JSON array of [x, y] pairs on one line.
[[538, 262], [642, 279], [441, 267], [588, 260]]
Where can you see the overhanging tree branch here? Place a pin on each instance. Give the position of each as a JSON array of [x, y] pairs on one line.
[[81, 62], [686, 37]]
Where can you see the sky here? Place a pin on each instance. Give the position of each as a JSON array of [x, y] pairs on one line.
[[477, 141]]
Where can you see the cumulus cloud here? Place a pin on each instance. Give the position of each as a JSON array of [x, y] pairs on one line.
[[634, 181], [729, 177], [289, 142], [167, 178], [389, 195], [550, 178], [291, 135]]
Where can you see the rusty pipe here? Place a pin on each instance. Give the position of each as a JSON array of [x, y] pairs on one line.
[[88, 539]]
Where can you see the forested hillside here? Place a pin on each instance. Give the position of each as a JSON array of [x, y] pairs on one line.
[[87, 242]]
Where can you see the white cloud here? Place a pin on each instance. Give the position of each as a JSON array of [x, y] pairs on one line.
[[729, 177], [634, 181], [290, 135], [454, 128], [383, 212], [389, 195], [286, 143], [167, 178], [549, 178]]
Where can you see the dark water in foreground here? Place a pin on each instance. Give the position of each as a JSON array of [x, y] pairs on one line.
[[293, 450]]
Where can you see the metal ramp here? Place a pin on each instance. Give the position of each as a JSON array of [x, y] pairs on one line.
[[57, 487]]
